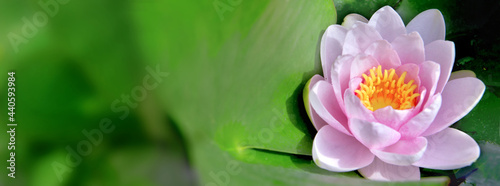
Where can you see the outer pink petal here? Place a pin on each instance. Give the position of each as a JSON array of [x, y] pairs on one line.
[[449, 149], [331, 47], [461, 74], [429, 76], [317, 121], [373, 134], [459, 97], [404, 152], [430, 25], [410, 48], [381, 171], [388, 23], [341, 70], [335, 151], [354, 108], [391, 117], [443, 53], [359, 38], [326, 105], [418, 124], [351, 19], [361, 64], [382, 51]]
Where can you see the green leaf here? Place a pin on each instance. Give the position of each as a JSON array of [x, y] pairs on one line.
[[132, 165], [246, 82], [221, 168], [485, 170]]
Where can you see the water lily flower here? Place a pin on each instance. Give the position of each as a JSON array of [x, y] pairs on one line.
[[387, 98]]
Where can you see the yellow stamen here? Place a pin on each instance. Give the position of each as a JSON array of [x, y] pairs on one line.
[[385, 88]]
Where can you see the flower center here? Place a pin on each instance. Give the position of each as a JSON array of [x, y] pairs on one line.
[[379, 90]]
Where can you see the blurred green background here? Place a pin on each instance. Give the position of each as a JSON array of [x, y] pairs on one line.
[[200, 92]]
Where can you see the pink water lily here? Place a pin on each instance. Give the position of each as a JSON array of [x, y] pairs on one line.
[[387, 98]]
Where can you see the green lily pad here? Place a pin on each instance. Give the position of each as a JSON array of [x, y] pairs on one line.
[[485, 170], [244, 86]]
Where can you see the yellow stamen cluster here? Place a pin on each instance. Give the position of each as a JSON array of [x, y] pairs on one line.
[[379, 90]]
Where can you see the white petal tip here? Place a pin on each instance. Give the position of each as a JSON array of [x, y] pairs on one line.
[[351, 19]]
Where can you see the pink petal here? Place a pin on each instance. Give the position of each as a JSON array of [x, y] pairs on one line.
[[317, 121], [420, 103], [341, 71], [382, 51], [443, 53], [354, 108], [361, 64], [359, 38], [315, 118], [373, 134], [449, 149], [351, 19], [388, 23], [381, 171], [404, 152], [331, 47], [335, 151], [429, 76], [418, 124], [461, 74], [326, 106], [354, 83], [410, 48], [412, 71], [391, 117], [459, 97], [430, 25]]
